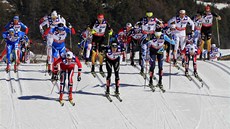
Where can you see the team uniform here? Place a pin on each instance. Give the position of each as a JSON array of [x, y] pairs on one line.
[[58, 36], [113, 54], [98, 28], [215, 53], [181, 22], [67, 63], [197, 30], [12, 39], [136, 34], [24, 49], [86, 44], [148, 26], [206, 29], [155, 52], [191, 53], [124, 38]]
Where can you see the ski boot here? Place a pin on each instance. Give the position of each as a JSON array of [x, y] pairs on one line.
[[195, 73], [54, 77], [167, 59], [49, 69], [15, 68], [7, 68], [132, 63], [183, 63], [101, 71], [186, 73], [61, 99], [117, 88], [161, 86]]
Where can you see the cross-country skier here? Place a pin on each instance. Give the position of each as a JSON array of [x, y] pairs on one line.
[[98, 28], [206, 29], [67, 63], [136, 34], [197, 30], [214, 53], [86, 44], [58, 36], [113, 53], [148, 25], [124, 38], [191, 53], [181, 22], [12, 39], [155, 52]]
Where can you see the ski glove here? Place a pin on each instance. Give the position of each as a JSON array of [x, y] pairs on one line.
[[93, 31], [160, 51], [42, 31], [79, 78], [111, 32]]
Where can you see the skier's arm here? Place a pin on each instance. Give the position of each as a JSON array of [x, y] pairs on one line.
[[191, 23], [166, 38], [24, 27], [79, 65], [55, 64]]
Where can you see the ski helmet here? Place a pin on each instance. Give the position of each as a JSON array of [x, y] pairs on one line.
[[158, 34], [128, 25], [69, 55], [114, 45], [16, 17], [54, 14], [213, 45], [182, 11], [149, 13], [100, 17], [11, 30], [61, 27]]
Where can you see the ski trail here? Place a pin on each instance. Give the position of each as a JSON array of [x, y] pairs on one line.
[[219, 66], [15, 121], [218, 62], [167, 105], [119, 110], [212, 102]]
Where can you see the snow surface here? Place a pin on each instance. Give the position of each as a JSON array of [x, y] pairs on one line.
[[31, 104]]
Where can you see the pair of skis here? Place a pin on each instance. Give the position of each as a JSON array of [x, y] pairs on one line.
[[8, 77], [153, 87], [196, 76], [70, 101], [94, 74], [110, 99]]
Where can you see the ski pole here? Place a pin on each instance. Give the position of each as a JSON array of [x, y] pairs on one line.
[[217, 29], [54, 84], [170, 67], [76, 86]]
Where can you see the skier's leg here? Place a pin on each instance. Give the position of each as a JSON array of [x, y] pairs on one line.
[[187, 58], [62, 84], [109, 73], [70, 82], [160, 67], [116, 66], [152, 63]]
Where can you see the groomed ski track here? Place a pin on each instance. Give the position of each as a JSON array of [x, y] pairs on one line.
[[30, 103]]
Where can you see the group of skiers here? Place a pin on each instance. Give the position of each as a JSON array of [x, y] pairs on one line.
[[150, 35]]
